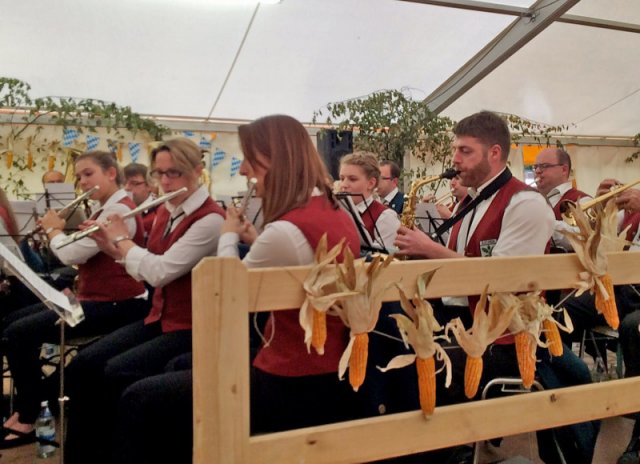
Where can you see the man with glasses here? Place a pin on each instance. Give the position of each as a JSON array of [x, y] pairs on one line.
[[138, 184], [388, 186]]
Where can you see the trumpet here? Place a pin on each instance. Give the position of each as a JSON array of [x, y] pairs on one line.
[[587, 205], [444, 198], [140, 209], [68, 207]]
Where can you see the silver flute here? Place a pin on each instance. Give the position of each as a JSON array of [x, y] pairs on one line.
[[140, 209], [251, 187]]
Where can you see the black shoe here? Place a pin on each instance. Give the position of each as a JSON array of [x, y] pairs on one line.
[[20, 440]]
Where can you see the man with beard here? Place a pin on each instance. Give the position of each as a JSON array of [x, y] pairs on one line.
[[500, 216]]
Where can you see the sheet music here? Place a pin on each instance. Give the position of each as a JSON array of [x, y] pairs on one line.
[[72, 314], [60, 195], [23, 211], [424, 211]]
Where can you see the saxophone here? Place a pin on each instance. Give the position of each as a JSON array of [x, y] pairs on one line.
[[408, 216]]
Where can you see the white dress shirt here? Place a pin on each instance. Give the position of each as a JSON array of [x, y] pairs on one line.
[[81, 251], [390, 196], [386, 226], [527, 225], [199, 241], [281, 243]]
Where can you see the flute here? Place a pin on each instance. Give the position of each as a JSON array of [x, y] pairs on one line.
[[251, 187], [68, 207], [140, 209]]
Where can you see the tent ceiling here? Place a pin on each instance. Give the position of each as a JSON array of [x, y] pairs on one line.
[[171, 57]]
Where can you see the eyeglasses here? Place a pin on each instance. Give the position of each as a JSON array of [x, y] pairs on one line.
[[543, 166], [170, 173], [136, 183]]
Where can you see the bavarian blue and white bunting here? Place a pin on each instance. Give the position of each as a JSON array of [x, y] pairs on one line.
[[187, 133], [92, 142], [235, 165], [205, 144], [69, 136], [134, 151], [217, 158]]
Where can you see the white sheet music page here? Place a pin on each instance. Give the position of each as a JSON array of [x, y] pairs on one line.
[[71, 313]]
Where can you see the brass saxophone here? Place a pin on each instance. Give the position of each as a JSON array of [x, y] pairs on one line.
[[408, 216]]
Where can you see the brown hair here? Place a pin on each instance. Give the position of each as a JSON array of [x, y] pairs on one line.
[[394, 169], [295, 166], [487, 127], [136, 169], [105, 160], [186, 155], [367, 161], [12, 226]]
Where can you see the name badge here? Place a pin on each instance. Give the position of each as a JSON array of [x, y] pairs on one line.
[[486, 247]]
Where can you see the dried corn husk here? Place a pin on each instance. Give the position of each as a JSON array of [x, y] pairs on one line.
[[360, 310], [488, 325], [320, 287], [592, 243], [418, 331]]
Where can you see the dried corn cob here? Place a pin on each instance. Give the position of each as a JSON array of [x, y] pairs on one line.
[[358, 360], [427, 384], [553, 337], [29, 160], [525, 349], [606, 305], [9, 159], [319, 330], [52, 162], [472, 375]]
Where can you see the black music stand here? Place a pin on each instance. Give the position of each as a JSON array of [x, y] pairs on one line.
[[347, 203], [428, 219], [64, 305]]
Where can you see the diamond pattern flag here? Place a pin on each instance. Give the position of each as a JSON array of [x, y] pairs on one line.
[[92, 142], [134, 151], [69, 136], [205, 144], [217, 158], [235, 165], [187, 133]]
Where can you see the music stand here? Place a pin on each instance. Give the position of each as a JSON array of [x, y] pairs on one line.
[[26, 214], [346, 201], [428, 219], [64, 305]]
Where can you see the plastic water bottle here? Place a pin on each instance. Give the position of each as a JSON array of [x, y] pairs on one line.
[[45, 428]]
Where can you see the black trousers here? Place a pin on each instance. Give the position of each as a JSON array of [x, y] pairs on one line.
[[30, 327], [99, 375]]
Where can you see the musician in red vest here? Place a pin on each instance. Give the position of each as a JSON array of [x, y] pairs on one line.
[[110, 297], [186, 229], [552, 170], [505, 218], [138, 184], [290, 387], [360, 174]]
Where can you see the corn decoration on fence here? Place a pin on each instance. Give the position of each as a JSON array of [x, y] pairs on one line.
[[321, 294], [591, 243], [359, 311], [487, 326], [418, 330]]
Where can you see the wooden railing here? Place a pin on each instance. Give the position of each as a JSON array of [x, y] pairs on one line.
[[225, 292]]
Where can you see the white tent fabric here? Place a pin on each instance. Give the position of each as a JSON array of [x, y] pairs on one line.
[[172, 57]]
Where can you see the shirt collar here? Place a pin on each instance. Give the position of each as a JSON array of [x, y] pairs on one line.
[[115, 198], [363, 205], [391, 195], [560, 189], [191, 204]]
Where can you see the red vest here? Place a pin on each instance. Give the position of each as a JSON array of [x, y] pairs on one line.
[[287, 354], [371, 215], [630, 219], [101, 268], [172, 302], [488, 229], [570, 195], [147, 220]]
